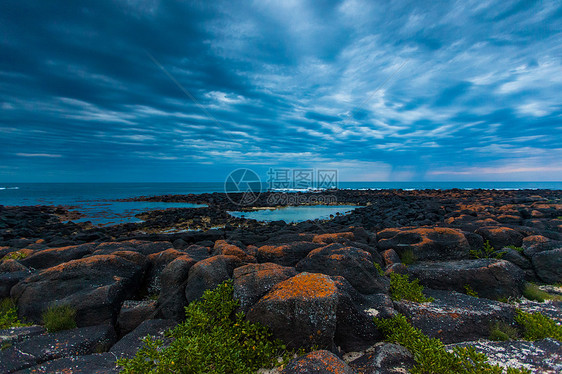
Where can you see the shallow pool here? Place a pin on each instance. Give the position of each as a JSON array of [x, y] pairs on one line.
[[291, 214]]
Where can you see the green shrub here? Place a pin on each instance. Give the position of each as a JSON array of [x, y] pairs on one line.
[[402, 289], [518, 249], [9, 315], [501, 331], [487, 251], [213, 339], [430, 353], [379, 268], [537, 326], [59, 317], [408, 257], [470, 291], [16, 255]]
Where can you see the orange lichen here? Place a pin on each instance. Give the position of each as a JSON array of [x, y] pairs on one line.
[[303, 286]]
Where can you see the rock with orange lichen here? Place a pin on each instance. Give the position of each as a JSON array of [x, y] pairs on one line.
[[490, 278], [500, 237], [301, 311], [54, 256], [70, 343], [436, 243], [454, 317], [317, 362], [156, 263], [384, 358], [286, 254], [339, 237], [209, 273], [538, 243], [141, 246], [222, 247], [252, 281], [94, 286], [354, 264], [173, 279]]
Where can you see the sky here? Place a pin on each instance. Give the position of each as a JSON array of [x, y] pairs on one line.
[[154, 91]]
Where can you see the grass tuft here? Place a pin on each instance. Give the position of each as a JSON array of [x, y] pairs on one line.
[[213, 339], [59, 317], [533, 292], [9, 315], [487, 251], [470, 291], [402, 289], [501, 331], [518, 249], [408, 257]]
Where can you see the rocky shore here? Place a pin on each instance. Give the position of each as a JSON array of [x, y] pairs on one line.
[[315, 284]]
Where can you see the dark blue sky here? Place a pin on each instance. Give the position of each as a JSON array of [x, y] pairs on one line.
[[381, 91]]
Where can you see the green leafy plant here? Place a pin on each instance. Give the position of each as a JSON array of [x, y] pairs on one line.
[[9, 315], [408, 257], [537, 326], [518, 249], [487, 251], [59, 317], [213, 339], [501, 331], [16, 255], [379, 268], [430, 353], [470, 291], [403, 289]]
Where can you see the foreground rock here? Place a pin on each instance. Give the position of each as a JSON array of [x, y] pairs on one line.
[[454, 317], [541, 356], [317, 362], [128, 346], [548, 265], [384, 358], [490, 278], [208, 274], [94, 286], [41, 348]]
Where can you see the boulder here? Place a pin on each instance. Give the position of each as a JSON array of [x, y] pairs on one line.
[[41, 348], [490, 278], [97, 363], [144, 247], [540, 356], [54, 256], [133, 313], [17, 334], [222, 247], [340, 237], [300, 310], [208, 274], [515, 257], [317, 362], [94, 286], [437, 243], [384, 358], [197, 252], [156, 263], [454, 317], [390, 257], [548, 265], [11, 266], [286, 254], [128, 346], [9, 280], [172, 301], [252, 281], [538, 243], [500, 237], [355, 265]]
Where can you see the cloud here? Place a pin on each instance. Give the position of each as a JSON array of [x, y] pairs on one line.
[[387, 91]]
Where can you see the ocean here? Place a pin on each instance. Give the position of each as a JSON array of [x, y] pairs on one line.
[[95, 199]]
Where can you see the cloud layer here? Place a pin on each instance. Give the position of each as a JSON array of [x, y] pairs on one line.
[[164, 91]]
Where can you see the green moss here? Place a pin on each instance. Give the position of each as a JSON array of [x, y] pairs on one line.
[[501, 331], [59, 317], [536, 326], [408, 257], [9, 315], [487, 251], [213, 339], [16, 255], [470, 291], [430, 353], [402, 289], [518, 249]]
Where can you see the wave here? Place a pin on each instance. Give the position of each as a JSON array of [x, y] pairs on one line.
[[9, 188]]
